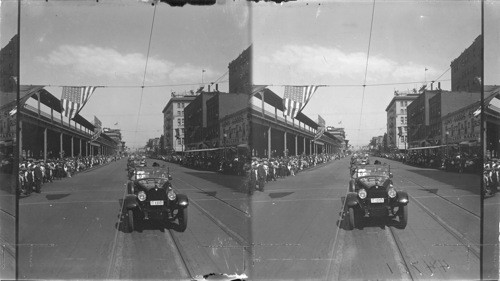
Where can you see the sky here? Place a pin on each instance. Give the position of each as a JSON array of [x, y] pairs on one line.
[[326, 43], [77, 43], [84, 43]]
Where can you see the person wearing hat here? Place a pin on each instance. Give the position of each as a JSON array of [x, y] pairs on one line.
[[494, 176], [29, 179], [261, 175], [38, 177], [487, 180], [22, 179]]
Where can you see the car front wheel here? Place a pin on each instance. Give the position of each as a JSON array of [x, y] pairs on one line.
[[403, 216], [352, 219], [130, 221], [183, 219]]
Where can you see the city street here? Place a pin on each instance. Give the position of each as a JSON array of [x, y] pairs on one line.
[[72, 229], [298, 231], [7, 227]]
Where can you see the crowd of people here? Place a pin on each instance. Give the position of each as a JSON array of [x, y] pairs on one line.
[[461, 162], [262, 170], [33, 174], [491, 177]]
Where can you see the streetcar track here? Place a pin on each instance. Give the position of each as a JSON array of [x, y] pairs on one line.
[[399, 252], [236, 237], [474, 248], [180, 259], [219, 199], [444, 198]]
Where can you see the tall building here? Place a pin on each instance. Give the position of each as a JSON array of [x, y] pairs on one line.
[[467, 67], [9, 65], [240, 72], [196, 134], [397, 119], [173, 122], [443, 103], [426, 112]]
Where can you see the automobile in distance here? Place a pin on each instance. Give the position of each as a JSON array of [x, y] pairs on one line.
[[151, 198], [372, 195]]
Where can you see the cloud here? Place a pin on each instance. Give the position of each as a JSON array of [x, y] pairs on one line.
[[310, 64], [191, 73], [94, 61]]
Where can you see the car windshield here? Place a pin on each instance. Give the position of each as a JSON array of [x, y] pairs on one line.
[[152, 182], [372, 180], [378, 170]]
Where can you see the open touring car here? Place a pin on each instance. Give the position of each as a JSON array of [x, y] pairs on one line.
[[372, 194], [150, 197]]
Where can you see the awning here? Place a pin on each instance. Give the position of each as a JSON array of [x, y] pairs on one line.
[[426, 147], [276, 101], [204, 149]]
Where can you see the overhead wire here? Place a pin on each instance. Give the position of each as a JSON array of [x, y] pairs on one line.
[[366, 69], [145, 72]]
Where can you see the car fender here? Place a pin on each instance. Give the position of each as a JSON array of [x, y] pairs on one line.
[[351, 185], [182, 200], [352, 199], [130, 202], [130, 187], [403, 198]]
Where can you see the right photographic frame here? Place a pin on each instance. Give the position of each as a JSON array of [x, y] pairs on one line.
[[375, 140], [491, 140]]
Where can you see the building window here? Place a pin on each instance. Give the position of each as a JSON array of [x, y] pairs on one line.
[[178, 122], [182, 121], [179, 142], [402, 120]]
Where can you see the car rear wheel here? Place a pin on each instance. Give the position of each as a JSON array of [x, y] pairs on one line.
[[130, 221], [183, 218], [352, 219], [403, 216]]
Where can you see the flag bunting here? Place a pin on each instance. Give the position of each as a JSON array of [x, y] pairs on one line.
[[296, 98], [73, 99]]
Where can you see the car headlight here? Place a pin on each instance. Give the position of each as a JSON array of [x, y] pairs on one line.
[[141, 196], [362, 193], [171, 195], [391, 192]]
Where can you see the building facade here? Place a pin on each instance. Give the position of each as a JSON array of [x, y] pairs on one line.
[[195, 122], [115, 135], [418, 119], [425, 115], [443, 103], [240, 71], [467, 68], [9, 66], [173, 122], [397, 119]]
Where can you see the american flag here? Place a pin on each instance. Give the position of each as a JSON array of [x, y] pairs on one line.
[[74, 98], [296, 98], [321, 128]]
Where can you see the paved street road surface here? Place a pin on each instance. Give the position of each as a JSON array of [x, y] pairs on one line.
[[299, 232], [293, 230], [73, 229]]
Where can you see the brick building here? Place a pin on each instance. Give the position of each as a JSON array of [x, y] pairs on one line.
[[467, 67], [240, 72]]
